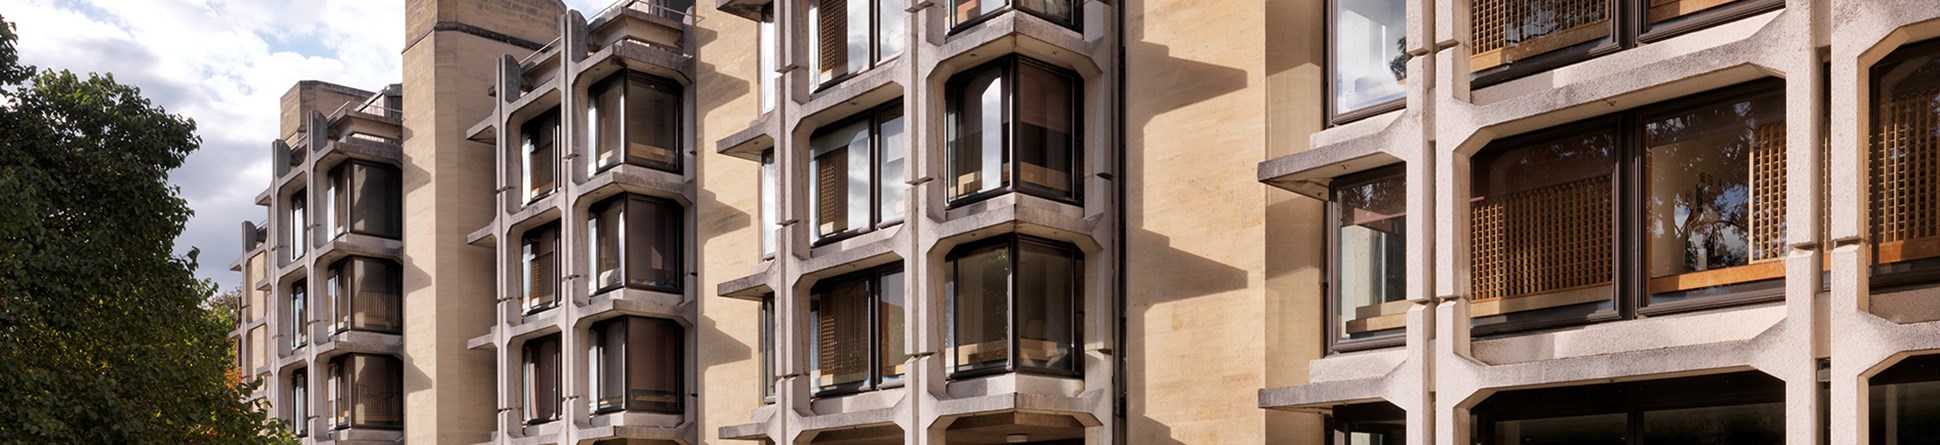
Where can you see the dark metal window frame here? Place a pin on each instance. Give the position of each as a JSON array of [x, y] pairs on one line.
[[623, 80], [1632, 399], [343, 397], [344, 287], [1925, 272], [1628, 277], [1330, 306], [1628, 29], [527, 151], [299, 414], [768, 353], [1012, 243], [299, 314], [874, 117], [625, 324], [1334, 116], [342, 212], [1075, 23], [770, 193], [297, 220], [1007, 83], [528, 364], [625, 256], [873, 279], [526, 242], [876, 57]]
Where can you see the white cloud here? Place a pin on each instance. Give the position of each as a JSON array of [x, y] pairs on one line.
[[225, 63]]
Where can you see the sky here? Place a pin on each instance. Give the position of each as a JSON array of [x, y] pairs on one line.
[[225, 64]]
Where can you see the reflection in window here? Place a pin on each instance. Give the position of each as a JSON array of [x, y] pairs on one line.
[[1904, 161], [636, 119], [1714, 197], [768, 380], [1013, 304], [770, 202], [1508, 31], [1667, 12], [298, 232], [538, 137], [858, 322], [636, 365], [365, 199], [540, 357], [365, 294], [635, 243], [538, 254], [1370, 65], [1057, 11], [853, 35], [1541, 223], [854, 164], [1905, 402], [1370, 254], [300, 403], [1014, 108], [1743, 407], [770, 79], [1377, 423], [299, 315], [366, 391]]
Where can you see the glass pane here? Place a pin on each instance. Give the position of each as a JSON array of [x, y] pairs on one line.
[[542, 377], [841, 201], [967, 10], [653, 124], [335, 294], [605, 117], [378, 206], [541, 267], [378, 396], [977, 157], [653, 364], [1599, 429], [653, 244], [1905, 412], [609, 372], [769, 78], [337, 211], [1047, 285], [1376, 423], [339, 394], [1059, 11], [299, 316], [299, 228], [1718, 425], [889, 326], [1370, 53], [770, 210], [605, 249], [1541, 224], [1371, 255], [768, 346], [1508, 31], [1664, 12], [1714, 201], [892, 185], [1904, 161], [840, 313], [893, 31], [1045, 152], [538, 142], [300, 404], [979, 287], [378, 300]]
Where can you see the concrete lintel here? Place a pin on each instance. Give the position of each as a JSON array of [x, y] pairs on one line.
[[750, 287], [1318, 396]]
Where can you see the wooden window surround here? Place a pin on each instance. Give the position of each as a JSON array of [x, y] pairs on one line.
[[1515, 38], [1904, 165], [365, 295], [366, 391]]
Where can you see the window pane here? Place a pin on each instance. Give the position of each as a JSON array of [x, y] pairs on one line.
[[889, 327], [768, 346], [300, 404], [1507, 31], [769, 78], [609, 370], [1058, 10], [977, 157], [653, 124], [653, 244], [299, 227], [1371, 256], [1904, 159], [1716, 425], [1715, 197], [605, 249], [605, 118], [840, 313], [1044, 143], [299, 317], [770, 204], [539, 138], [337, 295], [339, 394], [893, 32], [967, 10], [841, 201], [1376, 423], [653, 364], [377, 205], [1370, 53], [1541, 224], [378, 300], [336, 214], [1905, 412], [1047, 285], [1596, 429], [542, 379], [378, 392], [541, 266], [893, 187], [979, 288]]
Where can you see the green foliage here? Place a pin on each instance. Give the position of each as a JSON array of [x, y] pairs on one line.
[[105, 336]]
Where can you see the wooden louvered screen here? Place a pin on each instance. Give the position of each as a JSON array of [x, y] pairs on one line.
[[541, 135], [842, 333], [832, 192], [1767, 206], [1906, 178], [1508, 30], [833, 19], [1543, 240], [542, 281]]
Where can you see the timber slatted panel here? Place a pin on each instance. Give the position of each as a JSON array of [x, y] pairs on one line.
[[833, 18], [842, 332], [1505, 30], [1767, 206], [1906, 171], [832, 192], [1542, 240]]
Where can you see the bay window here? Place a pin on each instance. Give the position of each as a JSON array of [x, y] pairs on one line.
[[1904, 162], [857, 173], [538, 248], [635, 243], [1368, 246], [636, 365], [540, 360], [365, 199], [366, 391], [858, 322], [968, 12], [853, 35], [1013, 305], [1511, 38], [299, 323], [1014, 119], [538, 137], [636, 119], [365, 295], [1368, 56], [1905, 402]]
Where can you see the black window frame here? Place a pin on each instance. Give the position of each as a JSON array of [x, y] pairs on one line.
[[1075, 23], [531, 157], [533, 356], [1629, 267], [597, 356], [298, 223], [344, 402], [770, 196], [876, 57], [874, 118], [545, 233], [299, 411], [1628, 29], [767, 359], [347, 294], [1008, 67], [677, 213], [1334, 116], [625, 80], [1013, 243], [1633, 399], [299, 314], [344, 216], [1331, 284], [873, 279]]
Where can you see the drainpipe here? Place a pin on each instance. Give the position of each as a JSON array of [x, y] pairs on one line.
[[1119, 294]]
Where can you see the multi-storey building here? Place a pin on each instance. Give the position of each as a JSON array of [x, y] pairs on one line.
[[1031, 221]]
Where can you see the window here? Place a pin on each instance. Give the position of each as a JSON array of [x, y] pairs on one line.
[[365, 296], [1014, 107], [1013, 305], [1904, 161], [1368, 56], [770, 202], [538, 248], [1376, 423], [299, 229], [768, 380], [857, 163], [858, 322], [853, 35], [299, 315], [366, 391], [636, 365], [637, 120], [1549, 233], [967, 12], [541, 359], [1512, 38], [364, 199], [1743, 407], [1905, 402], [636, 243], [1369, 249], [538, 137], [770, 78], [300, 403]]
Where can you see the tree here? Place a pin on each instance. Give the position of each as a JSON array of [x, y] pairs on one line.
[[105, 336]]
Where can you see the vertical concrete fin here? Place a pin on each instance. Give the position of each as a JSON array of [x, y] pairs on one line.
[[572, 36], [509, 79]]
